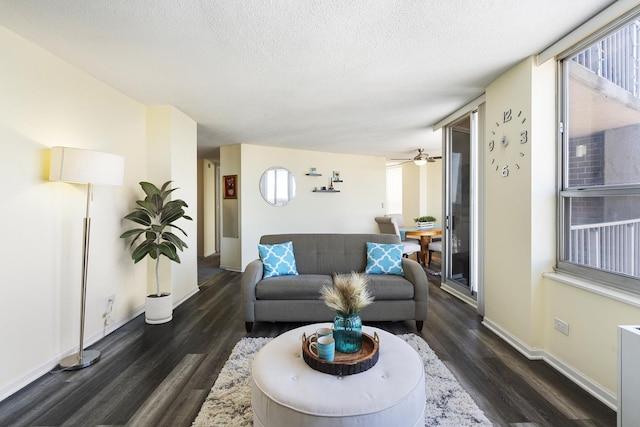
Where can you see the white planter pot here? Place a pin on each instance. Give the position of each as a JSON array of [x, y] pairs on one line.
[[158, 309], [426, 224]]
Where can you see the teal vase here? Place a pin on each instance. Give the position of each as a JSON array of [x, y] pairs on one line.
[[347, 332]]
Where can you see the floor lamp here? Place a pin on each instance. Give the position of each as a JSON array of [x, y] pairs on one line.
[[84, 167]]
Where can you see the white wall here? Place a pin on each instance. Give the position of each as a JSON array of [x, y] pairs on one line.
[[45, 102], [352, 210]]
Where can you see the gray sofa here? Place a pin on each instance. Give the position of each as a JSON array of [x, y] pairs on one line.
[[318, 257]]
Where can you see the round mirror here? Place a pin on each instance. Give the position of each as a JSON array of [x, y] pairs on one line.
[[278, 186]]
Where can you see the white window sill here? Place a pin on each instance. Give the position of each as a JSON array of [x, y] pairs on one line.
[[596, 288]]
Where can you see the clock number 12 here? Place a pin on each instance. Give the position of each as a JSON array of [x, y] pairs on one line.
[[506, 116]]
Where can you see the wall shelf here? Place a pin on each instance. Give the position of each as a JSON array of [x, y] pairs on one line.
[[313, 174], [326, 191]]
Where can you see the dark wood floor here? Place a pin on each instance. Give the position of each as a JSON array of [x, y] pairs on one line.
[[160, 375]]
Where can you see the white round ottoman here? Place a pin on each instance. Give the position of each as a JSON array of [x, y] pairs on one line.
[[285, 391]]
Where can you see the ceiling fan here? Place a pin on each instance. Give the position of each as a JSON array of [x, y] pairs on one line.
[[421, 158]]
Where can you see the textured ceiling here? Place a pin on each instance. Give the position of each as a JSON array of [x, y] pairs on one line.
[[357, 76]]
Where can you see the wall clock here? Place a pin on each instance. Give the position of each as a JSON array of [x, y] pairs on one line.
[[506, 147]]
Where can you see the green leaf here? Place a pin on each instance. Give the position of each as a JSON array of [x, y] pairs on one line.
[[175, 240], [149, 189], [145, 248], [170, 251], [139, 216], [133, 232], [178, 228], [148, 206]]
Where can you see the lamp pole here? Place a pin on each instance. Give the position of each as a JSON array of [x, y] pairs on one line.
[[88, 357]]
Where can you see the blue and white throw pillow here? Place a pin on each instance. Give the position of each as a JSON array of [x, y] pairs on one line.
[[278, 260], [384, 258]]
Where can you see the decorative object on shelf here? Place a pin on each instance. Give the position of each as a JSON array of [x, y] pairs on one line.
[[86, 167], [330, 188], [230, 186], [348, 295], [313, 172], [157, 216], [336, 176], [427, 221]]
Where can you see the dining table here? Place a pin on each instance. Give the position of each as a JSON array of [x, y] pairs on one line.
[[424, 235]]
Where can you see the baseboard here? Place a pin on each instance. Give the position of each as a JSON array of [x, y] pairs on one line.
[[226, 267], [584, 382], [461, 296], [50, 364]]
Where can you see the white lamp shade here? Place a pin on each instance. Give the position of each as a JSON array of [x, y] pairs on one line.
[[85, 166], [420, 162]]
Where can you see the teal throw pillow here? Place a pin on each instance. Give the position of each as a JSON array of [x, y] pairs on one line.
[[278, 260], [384, 259]]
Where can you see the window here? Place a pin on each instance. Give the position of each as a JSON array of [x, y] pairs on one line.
[[600, 188], [394, 190]]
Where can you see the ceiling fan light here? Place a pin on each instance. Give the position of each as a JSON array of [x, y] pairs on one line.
[[420, 161]]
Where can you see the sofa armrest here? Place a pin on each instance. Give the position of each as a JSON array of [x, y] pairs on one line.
[[248, 281], [414, 273]]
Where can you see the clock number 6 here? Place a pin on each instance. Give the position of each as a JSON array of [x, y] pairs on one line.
[[505, 171]]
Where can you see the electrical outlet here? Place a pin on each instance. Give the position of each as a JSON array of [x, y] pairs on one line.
[[561, 326], [111, 299]]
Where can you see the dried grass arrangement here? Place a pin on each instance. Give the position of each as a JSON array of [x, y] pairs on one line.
[[349, 293]]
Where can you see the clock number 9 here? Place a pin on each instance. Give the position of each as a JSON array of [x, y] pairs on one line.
[[524, 137], [505, 171], [491, 145]]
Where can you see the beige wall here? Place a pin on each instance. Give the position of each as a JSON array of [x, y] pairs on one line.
[[422, 191], [45, 102], [520, 236], [434, 195], [361, 196], [172, 139], [207, 193]]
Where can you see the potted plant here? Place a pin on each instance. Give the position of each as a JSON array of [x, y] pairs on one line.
[[348, 295], [157, 215], [426, 221]]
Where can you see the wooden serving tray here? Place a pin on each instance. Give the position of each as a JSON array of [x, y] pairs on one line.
[[345, 363]]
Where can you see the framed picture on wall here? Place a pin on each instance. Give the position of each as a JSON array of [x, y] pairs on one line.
[[230, 186]]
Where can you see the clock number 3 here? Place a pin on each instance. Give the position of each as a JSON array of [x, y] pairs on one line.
[[524, 137]]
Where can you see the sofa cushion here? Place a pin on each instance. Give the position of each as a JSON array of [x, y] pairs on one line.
[[278, 259], [304, 286], [386, 287], [384, 258]]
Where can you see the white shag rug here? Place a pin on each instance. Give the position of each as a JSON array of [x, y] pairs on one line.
[[229, 402]]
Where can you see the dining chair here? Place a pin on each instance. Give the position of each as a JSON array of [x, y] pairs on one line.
[[434, 246], [388, 225]]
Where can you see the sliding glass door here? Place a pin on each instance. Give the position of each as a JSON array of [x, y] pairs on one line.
[[460, 251]]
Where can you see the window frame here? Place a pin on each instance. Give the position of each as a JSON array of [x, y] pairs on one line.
[[603, 277]]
